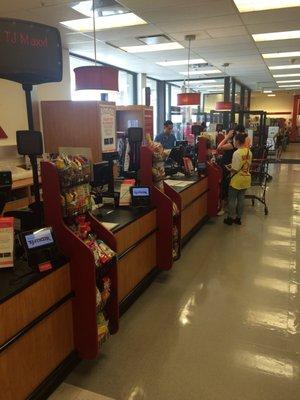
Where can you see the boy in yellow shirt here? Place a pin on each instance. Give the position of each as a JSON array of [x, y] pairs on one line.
[[240, 180]]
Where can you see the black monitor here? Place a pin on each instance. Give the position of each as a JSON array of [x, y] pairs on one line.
[[176, 155], [101, 173], [5, 188], [183, 143]]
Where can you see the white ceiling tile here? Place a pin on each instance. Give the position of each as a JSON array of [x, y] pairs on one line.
[[227, 32], [280, 15]]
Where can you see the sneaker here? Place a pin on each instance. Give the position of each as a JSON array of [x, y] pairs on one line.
[[228, 221], [237, 221], [220, 213]]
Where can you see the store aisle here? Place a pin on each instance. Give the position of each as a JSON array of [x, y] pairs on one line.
[[224, 323]]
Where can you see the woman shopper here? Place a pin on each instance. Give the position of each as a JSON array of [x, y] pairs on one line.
[[226, 148], [240, 180]]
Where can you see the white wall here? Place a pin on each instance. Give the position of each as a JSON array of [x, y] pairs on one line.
[[282, 102], [13, 114]]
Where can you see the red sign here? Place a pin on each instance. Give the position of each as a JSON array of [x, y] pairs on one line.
[[3, 135], [148, 118]]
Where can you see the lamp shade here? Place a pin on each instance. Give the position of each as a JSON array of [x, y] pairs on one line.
[[188, 99], [96, 77], [223, 106]]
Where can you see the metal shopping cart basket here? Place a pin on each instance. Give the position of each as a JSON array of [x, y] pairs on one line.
[[259, 180]]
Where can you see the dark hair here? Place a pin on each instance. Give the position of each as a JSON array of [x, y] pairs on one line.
[[168, 123], [240, 128], [240, 137]]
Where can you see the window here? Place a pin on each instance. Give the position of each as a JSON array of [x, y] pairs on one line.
[[152, 84], [124, 97]]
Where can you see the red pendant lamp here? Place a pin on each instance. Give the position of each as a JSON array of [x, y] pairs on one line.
[[223, 106], [96, 77], [189, 98]]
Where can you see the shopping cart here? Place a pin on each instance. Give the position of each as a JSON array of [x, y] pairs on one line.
[[259, 177]]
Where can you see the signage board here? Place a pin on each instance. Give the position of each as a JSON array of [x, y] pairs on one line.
[[30, 53]]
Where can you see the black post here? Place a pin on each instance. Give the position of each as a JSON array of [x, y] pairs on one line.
[[33, 159]]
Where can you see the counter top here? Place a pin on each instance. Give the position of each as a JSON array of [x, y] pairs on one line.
[[190, 180], [14, 280], [122, 216]]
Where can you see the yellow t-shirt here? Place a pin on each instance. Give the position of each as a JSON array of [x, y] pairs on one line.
[[241, 162]]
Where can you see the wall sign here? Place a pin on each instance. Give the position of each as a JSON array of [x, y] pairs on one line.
[[108, 128], [30, 53]]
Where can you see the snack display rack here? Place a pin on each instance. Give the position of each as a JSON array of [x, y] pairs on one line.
[[80, 236], [168, 203]]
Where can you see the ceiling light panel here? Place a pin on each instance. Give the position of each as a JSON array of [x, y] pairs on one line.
[[264, 37], [152, 47], [110, 8], [289, 86], [282, 55], [202, 72], [181, 62], [259, 5], [285, 75], [103, 23], [267, 91], [291, 81], [277, 67]]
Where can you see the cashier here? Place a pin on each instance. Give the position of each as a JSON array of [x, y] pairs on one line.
[[167, 138]]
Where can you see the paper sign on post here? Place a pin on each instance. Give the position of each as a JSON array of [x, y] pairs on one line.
[[6, 242]]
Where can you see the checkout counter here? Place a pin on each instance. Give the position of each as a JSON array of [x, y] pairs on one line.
[[135, 231], [36, 319], [36, 336], [193, 192]]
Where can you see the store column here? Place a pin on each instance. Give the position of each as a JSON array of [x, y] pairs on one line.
[[161, 105], [141, 86], [226, 99]]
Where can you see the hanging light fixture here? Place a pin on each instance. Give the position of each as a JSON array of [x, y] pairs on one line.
[[96, 77], [188, 98]]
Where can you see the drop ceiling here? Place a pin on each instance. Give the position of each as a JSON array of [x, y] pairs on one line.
[[223, 35]]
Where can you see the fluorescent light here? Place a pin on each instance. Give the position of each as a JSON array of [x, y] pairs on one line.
[[152, 47], [203, 81], [202, 72], [271, 95], [210, 86], [291, 81], [181, 62], [102, 23], [286, 75], [259, 5], [293, 66], [267, 91], [291, 86], [263, 37], [282, 55]]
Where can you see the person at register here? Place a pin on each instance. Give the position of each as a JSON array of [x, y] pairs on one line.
[[167, 138]]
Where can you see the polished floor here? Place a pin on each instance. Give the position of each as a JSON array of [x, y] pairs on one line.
[[224, 323]]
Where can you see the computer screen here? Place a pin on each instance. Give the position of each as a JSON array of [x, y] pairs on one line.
[[176, 154], [101, 173]]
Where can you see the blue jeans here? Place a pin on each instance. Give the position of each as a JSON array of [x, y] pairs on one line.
[[236, 202]]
